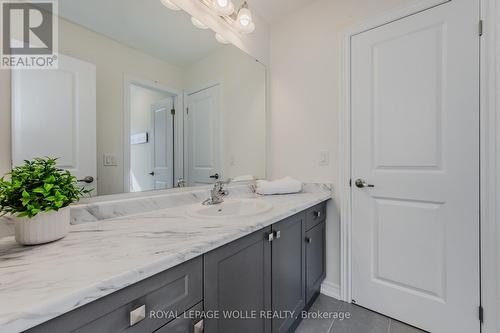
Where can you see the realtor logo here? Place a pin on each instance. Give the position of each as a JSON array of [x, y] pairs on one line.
[[29, 34]]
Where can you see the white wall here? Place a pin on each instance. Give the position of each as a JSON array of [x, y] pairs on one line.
[[243, 104], [305, 74], [141, 121]]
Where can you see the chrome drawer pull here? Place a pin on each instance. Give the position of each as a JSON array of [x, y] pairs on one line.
[[198, 327], [317, 213], [137, 315]]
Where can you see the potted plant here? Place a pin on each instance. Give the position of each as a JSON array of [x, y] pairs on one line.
[[38, 194]]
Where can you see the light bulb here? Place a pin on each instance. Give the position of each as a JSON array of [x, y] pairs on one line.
[[248, 29], [170, 5], [197, 23], [221, 39], [244, 17], [223, 7]]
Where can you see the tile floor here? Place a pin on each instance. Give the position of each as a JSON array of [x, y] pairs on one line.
[[361, 320]]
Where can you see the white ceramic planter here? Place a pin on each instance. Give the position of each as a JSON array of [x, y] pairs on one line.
[[43, 228]]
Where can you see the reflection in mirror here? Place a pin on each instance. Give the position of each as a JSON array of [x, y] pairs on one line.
[[142, 100]]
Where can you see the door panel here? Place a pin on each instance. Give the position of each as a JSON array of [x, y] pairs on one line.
[[415, 125], [288, 270], [163, 154], [315, 260], [238, 278], [54, 114], [203, 136]]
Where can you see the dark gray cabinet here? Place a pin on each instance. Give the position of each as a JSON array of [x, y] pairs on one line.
[[238, 281], [288, 271], [315, 260]]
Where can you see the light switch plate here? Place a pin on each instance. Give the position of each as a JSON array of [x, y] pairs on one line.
[[110, 160], [324, 158]]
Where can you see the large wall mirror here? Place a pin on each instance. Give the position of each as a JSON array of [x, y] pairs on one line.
[[142, 100]]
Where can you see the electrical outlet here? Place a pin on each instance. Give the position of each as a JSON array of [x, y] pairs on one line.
[[324, 158], [110, 160]]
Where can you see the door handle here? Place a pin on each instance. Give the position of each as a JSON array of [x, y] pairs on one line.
[[216, 176], [88, 180], [152, 173], [360, 183]]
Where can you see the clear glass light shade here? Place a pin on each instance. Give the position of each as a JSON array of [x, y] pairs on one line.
[[170, 5], [248, 29], [223, 7], [244, 17], [197, 23], [221, 39]]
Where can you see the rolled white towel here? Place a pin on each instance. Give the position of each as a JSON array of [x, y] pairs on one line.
[[285, 185]]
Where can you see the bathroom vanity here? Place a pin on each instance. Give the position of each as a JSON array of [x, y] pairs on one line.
[[166, 271]]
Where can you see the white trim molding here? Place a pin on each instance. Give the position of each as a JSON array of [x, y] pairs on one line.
[[330, 289], [489, 156], [490, 165], [345, 132], [128, 80]]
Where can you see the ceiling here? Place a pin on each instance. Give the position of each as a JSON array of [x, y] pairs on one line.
[[145, 25], [274, 10]]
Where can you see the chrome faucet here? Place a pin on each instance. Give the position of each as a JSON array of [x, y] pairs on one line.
[[181, 182], [217, 193]]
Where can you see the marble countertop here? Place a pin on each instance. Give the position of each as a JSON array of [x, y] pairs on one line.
[[104, 254]]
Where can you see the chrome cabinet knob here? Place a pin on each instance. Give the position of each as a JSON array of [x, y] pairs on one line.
[[360, 183]]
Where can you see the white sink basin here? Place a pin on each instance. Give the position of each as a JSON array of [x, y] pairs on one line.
[[230, 209]]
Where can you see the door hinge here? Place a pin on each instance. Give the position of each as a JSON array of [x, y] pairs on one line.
[[481, 27], [481, 314], [350, 182], [172, 112], [187, 110]]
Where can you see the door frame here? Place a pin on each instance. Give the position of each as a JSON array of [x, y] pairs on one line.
[[489, 153], [129, 80]]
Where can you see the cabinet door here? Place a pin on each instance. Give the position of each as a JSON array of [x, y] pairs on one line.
[[288, 270], [238, 281], [315, 260]]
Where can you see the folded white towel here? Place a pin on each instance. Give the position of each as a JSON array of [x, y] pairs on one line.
[[285, 185], [243, 178]]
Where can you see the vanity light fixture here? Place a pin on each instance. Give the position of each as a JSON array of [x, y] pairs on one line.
[[223, 7], [197, 23], [170, 5], [221, 39], [240, 20]]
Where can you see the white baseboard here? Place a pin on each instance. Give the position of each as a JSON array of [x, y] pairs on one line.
[[330, 289]]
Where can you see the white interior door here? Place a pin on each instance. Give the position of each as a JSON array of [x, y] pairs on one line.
[[163, 155], [54, 114], [203, 136], [415, 137]]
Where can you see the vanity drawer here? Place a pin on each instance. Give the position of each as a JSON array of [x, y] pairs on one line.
[[189, 322], [315, 215], [174, 290]]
